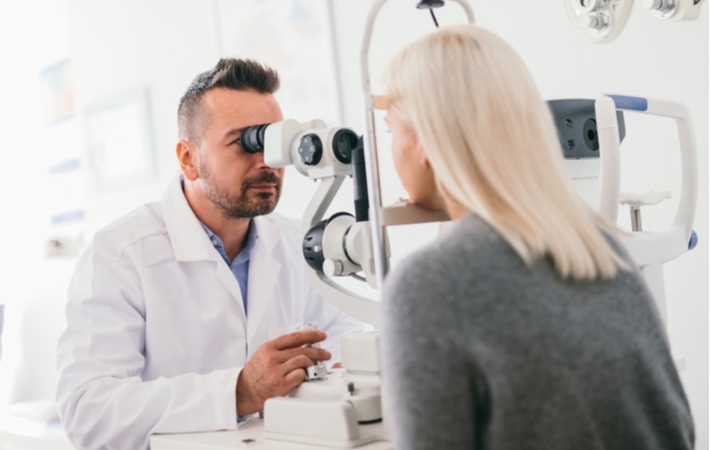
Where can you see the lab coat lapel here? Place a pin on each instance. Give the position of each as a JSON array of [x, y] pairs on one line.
[[188, 238], [263, 273], [190, 241]]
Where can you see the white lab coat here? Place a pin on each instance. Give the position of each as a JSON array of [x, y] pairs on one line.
[[157, 332]]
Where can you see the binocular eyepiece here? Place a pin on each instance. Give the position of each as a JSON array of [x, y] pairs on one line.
[[310, 146], [252, 138]]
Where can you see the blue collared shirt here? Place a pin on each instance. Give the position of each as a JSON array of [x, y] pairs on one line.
[[240, 264]]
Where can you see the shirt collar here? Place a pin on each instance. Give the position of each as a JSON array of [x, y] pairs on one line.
[[244, 254]]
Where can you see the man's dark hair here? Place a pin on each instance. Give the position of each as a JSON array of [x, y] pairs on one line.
[[230, 73]]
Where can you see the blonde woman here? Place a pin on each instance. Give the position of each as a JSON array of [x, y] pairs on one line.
[[526, 325]]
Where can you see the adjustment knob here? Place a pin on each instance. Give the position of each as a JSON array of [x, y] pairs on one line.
[[592, 21], [310, 149], [332, 267], [658, 5], [585, 6]]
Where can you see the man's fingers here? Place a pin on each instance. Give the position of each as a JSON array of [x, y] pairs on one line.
[[297, 362], [294, 378], [315, 354], [298, 338]]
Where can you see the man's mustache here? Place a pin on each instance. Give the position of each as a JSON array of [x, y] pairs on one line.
[[266, 177]]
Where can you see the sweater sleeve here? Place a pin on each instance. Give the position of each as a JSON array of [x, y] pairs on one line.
[[430, 387], [103, 401]]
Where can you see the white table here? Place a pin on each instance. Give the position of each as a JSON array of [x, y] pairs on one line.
[[23, 435], [249, 435]]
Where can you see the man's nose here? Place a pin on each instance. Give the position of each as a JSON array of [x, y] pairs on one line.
[[259, 161]]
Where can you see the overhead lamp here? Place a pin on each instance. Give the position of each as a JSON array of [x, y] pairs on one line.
[[685, 10], [601, 20], [430, 4]]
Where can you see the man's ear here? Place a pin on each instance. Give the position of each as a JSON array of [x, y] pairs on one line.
[[187, 157]]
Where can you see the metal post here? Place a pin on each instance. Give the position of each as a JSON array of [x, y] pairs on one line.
[[636, 218]]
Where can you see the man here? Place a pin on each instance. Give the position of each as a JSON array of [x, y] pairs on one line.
[[173, 309]]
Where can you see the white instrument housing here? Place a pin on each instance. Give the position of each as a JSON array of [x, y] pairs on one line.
[[602, 20], [679, 10], [649, 250]]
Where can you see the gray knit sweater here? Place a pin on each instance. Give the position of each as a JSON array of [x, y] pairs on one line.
[[480, 351]]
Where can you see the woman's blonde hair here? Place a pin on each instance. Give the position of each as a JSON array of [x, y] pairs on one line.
[[493, 147]]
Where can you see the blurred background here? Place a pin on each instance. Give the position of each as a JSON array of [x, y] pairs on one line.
[[89, 91]]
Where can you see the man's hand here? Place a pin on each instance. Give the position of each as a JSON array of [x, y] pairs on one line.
[[276, 368]]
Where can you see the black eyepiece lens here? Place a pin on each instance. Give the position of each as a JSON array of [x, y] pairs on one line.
[[344, 142], [590, 134], [252, 138]]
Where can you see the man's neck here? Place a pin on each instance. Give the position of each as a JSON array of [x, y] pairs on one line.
[[231, 231]]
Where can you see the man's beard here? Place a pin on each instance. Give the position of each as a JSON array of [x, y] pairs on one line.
[[242, 206]]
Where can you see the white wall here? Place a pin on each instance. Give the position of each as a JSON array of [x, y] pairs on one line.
[[667, 60], [121, 45], [115, 47], [32, 38]]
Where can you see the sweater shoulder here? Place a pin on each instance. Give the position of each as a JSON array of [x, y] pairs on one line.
[[469, 251], [470, 243]]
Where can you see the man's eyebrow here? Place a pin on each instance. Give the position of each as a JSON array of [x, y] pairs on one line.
[[233, 132]]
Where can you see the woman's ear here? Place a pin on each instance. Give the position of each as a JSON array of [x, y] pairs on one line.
[[423, 158], [186, 153], [424, 161]]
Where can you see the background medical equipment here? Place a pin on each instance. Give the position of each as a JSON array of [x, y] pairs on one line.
[[650, 250], [604, 20], [590, 134], [576, 124]]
